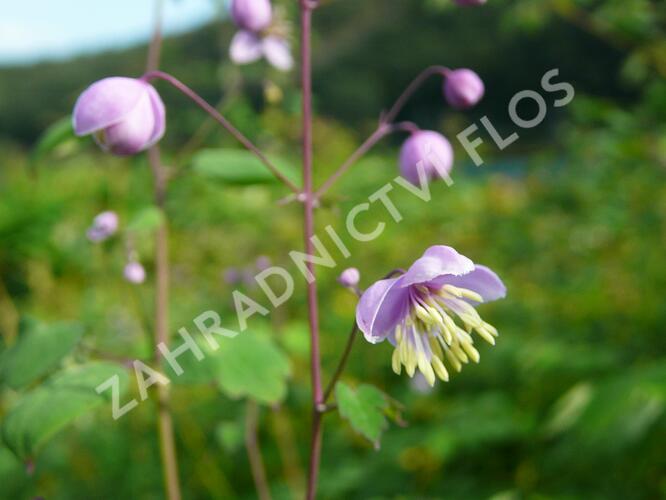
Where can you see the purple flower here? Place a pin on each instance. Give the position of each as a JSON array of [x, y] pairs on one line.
[[247, 47], [419, 312], [252, 15], [134, 273], [427, 151], [104, 226], [463, 88], [349, 278], [125, 115]]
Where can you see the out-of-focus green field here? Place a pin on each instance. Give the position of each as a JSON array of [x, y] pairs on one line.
[[570, 403]]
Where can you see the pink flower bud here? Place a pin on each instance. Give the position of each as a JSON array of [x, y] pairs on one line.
[[349, 278], [135, 273], [125, 115], [463, 88], [426, 151], [104, 226], [466, 3], [252, 15]]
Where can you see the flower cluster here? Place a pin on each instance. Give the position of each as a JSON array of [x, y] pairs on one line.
[[421, 312], [258, 37]]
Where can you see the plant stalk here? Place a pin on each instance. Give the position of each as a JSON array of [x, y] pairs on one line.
[[164, 419], [217, 116], [308, 229], [253, 450]]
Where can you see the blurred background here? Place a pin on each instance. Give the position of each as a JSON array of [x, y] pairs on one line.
[[570, 403]]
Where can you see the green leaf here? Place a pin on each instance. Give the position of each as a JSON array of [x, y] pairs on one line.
[[58, 135], [364, 409], [252, 365], [37, 352], [146, 220], [239, 167], [44, 411]]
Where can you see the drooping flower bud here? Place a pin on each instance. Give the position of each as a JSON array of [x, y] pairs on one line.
[[466, 3], [252, 15], [125, 115], [134, 273], [349, 278], [104, 226], [463, 88], [427, 152]]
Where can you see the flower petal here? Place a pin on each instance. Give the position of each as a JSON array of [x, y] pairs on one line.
[[159, 114], [132, 134], [482, 281], [437, 261], [381, 308], [277, 52], [245, 48], [105, 103]]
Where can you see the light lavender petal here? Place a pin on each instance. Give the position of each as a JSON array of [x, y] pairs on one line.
[[482, 280], [133, 133], [105, 103], [381, 308], [437, 261], [278, 53], [245, 48]]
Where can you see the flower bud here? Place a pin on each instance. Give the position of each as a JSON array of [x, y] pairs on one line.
[[104, 226], [134, 273], [466, 3], [426, 151], [252, 15], [463, 88], [125, 115], [349, 278]]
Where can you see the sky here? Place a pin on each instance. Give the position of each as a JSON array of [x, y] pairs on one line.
[[36, 30]]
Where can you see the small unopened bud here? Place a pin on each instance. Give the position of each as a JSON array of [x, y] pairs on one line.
[[463, 88], [104, 226], [425, 153], [124, 115], [252, 15], [350, 278], [135, 273]]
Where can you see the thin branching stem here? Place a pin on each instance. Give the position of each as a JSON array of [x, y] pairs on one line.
[[385, 127], [217, 116]]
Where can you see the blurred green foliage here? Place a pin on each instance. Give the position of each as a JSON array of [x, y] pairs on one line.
[[570, 403]]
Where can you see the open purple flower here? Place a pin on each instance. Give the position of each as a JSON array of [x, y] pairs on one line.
[[125, 115], [248, 47], [420, 312]]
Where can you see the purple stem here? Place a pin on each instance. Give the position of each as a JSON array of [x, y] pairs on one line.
[[217, 116], [382, 131], [313, 316], [385, 126]]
